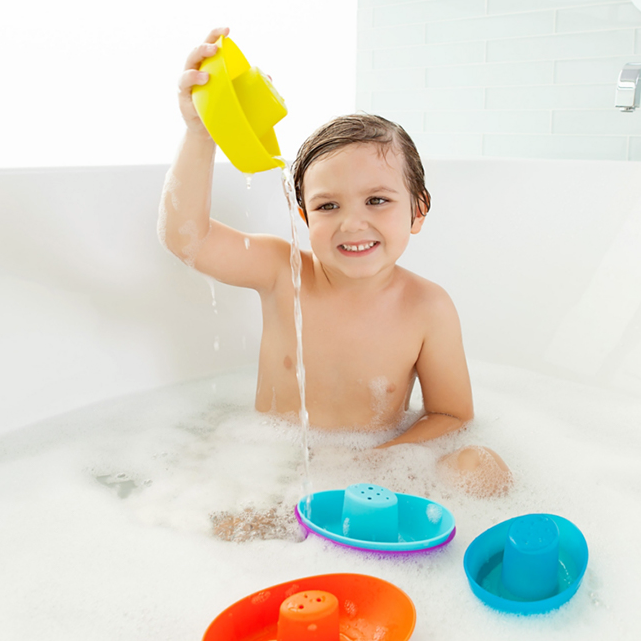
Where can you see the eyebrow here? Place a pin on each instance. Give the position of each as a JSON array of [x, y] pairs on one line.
[[369, 190]]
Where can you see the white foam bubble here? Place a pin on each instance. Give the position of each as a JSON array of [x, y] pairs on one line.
[[168, 198], [380, 632], [174, 457], [194, 243], [378, 391], [350, 608], [434, 513]]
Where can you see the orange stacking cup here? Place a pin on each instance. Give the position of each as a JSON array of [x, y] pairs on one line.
[[308, 615]]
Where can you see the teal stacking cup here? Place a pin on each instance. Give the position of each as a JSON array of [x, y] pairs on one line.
[[531, 557], [370, 513]]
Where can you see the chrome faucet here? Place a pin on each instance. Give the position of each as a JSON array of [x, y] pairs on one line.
[[629, 87]]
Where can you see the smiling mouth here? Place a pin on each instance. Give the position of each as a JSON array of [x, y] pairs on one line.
[[360, 247]]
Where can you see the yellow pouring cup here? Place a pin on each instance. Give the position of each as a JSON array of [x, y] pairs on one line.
[[239, 106]]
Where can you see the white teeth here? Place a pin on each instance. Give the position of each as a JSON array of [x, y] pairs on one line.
[[358, 248]]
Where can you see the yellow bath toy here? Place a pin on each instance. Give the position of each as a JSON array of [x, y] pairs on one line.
[[239, 107]]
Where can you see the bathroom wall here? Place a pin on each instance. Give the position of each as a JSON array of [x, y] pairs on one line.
[[502, 78], [90, 84]]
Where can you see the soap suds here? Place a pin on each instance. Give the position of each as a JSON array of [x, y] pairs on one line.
[[116, 504], [168, 194], [194, 242]]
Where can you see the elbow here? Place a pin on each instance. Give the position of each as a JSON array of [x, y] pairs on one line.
[[167, 242], [185, 243]]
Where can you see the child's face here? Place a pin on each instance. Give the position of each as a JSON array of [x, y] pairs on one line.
[[359, 210]]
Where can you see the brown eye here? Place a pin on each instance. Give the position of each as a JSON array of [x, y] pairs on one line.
[[327, 207], [375, 200]]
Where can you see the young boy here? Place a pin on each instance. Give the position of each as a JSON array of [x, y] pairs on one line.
[[370, 327]]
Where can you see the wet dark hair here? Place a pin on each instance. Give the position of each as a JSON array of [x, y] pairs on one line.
[[363, 128]]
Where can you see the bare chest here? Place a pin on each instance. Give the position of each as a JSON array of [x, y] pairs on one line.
[[358, 340], [359, 359]]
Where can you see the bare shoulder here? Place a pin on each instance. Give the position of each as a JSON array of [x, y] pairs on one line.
[[285, 282], [428, 299]]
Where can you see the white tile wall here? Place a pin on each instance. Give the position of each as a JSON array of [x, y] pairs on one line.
[[515, 78]]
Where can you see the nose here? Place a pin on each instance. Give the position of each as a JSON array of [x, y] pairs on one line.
[[354, 220]]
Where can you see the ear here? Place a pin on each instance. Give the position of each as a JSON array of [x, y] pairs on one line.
[[418, 221]]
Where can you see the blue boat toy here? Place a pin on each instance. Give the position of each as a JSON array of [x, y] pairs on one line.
[[527, 565], [369, 517]]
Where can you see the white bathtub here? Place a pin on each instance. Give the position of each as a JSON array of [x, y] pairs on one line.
[[543, 260]]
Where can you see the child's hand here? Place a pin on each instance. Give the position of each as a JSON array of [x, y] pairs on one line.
[[191, 76]]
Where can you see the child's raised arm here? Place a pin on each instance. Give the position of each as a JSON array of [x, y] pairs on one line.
[[184, 225]]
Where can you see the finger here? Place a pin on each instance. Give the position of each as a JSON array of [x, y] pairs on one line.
[[216, 33], [205, 50], [190, 78]]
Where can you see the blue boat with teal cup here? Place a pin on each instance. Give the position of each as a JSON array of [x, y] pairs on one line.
[[530, 564], [366, 516]]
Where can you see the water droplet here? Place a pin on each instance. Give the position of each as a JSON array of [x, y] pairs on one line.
[[247, 243], [216, 344]]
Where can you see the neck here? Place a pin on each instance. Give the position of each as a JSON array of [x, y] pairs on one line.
[[336, 281]]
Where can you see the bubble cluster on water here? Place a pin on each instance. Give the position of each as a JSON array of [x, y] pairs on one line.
[[111, 510]]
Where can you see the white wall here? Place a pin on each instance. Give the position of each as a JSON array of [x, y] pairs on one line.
[[511, 78], [87, 83]]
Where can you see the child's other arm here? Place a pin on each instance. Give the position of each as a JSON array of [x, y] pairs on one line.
[[442, 372], [184, 225]]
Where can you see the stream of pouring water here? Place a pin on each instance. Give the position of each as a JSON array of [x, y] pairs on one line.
[[290, 194]]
